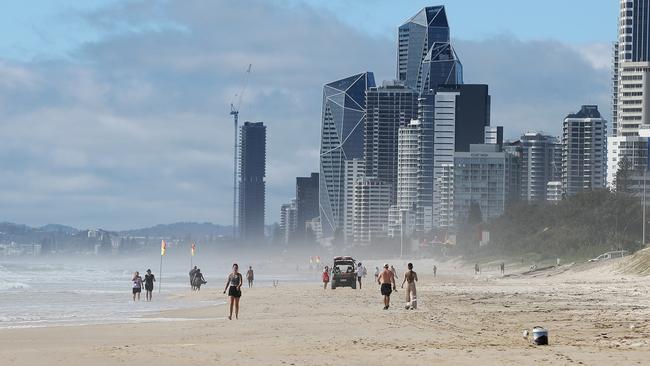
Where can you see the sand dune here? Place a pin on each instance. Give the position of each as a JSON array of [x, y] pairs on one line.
[[594, 315]]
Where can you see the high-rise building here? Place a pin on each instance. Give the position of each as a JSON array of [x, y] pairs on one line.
[[370, 212], [631, 88], [288, 222], [408, 172], [494, 135], [461, 114], [540, 163], [583, 151], [388, 108], [634, 31], [341, 139], [513, 189], [480, 176], [632, 148], [554, 191], [425, 57], [306, 203], [251, 183], [424, 208], [354, 171]]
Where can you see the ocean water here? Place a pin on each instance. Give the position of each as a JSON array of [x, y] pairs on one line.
[[56, 293], [45, 294]]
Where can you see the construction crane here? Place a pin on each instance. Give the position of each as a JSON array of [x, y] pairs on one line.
[[234, 112]]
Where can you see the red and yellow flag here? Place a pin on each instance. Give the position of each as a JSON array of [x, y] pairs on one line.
[[163, 247], [193, 249]]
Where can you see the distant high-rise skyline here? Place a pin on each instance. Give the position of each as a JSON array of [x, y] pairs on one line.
[[343, 113], [252, 187]]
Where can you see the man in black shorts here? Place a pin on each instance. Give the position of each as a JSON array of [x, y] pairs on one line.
[[149, 279], [387, 281]]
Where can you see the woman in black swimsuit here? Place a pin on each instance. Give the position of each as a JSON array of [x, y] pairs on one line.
[[233, 285]]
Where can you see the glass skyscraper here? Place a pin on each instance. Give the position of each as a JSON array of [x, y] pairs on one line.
[[252, 187], [388, 108], [634, 31], [425, 57], [343, 115]]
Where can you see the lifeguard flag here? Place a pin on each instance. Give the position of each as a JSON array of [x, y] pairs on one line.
[[163, 247], [193, 249]]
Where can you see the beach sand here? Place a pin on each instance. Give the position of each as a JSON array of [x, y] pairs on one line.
[[595, 316]]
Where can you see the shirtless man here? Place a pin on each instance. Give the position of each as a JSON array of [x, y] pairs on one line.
[[387, 281], [410, 277]]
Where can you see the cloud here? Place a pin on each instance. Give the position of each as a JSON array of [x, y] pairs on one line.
[[534, 84], [133, 129]]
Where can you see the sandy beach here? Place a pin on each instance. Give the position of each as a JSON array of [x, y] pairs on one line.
[[594, 314]]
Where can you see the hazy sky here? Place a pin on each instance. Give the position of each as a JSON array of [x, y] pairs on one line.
[[114, 113]]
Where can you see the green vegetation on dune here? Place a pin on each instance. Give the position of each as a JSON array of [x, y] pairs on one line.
[[579, 227]]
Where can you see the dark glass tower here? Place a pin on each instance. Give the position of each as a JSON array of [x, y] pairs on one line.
[[251, 183], [306, 202], [388, 108], [634, 31], [343, 111], [425, 57]]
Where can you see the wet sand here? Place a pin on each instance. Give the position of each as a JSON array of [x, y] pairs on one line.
[[595, 316]]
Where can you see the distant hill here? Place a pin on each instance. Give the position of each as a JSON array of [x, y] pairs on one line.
[[181, 229], [56, 228]]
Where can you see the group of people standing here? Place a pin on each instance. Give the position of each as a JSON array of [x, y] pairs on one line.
[[196, 279], [234, 283], [147, 283], [386, 281]]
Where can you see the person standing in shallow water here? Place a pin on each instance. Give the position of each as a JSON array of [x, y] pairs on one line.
[[250, 276], [137, 285], [149, 279], [233, 285]]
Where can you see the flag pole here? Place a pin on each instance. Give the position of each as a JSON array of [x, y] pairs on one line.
[[160, 274], [163, 248]]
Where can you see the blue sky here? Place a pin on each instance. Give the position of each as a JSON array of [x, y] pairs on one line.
[[115, 113], [49, 28]]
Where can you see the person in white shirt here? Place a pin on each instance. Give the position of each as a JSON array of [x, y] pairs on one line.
[[361, 272]]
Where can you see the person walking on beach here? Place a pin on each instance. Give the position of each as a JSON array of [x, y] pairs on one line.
[[198, 280], [192, 273], [410, 277], [361, 272], [387, 281], [233, 285], [137, 285], [325, 277], [477, 269], [435, 269], [503, 268], [376, 273], [250, 276], [392, 269], [149, 279]]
